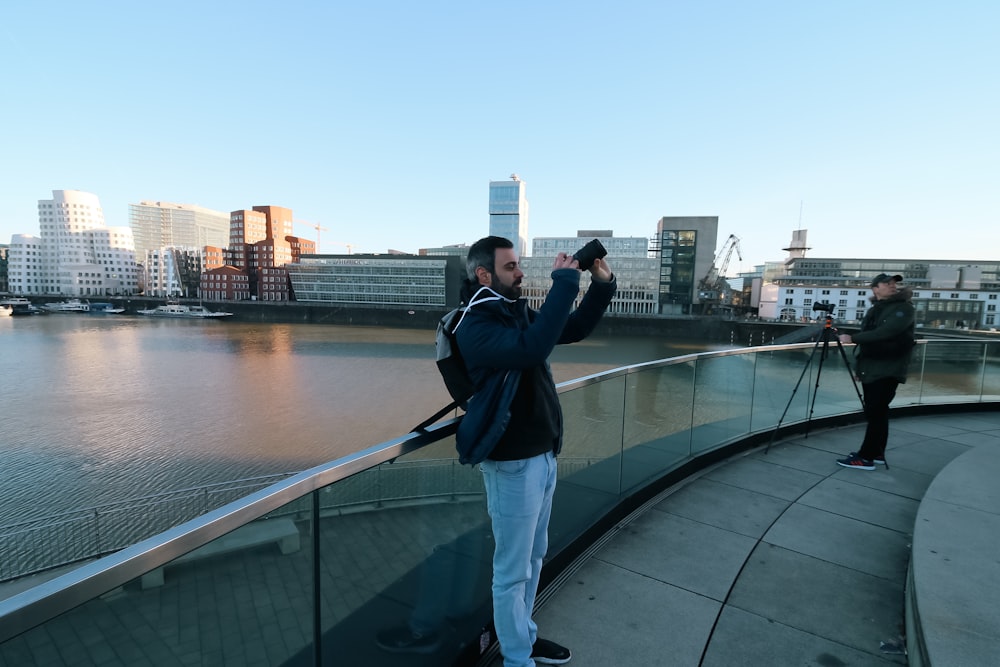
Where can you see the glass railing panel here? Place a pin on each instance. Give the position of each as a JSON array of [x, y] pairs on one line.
[[592, 435], [991, 373], [783, 383], [952, 371], [799, 384], [657, 428], [243, 598], [405, 548], [590, 465], [835, 388], [910, 392], [723, 388]]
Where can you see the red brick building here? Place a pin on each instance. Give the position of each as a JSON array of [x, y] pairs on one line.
[[261, 243]]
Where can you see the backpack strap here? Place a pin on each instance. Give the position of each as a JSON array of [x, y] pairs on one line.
[[422, 426]]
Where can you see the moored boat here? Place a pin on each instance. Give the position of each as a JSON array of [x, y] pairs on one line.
[[183, 312], [67, 306], [104, 308], [7, 304], [26, 308]]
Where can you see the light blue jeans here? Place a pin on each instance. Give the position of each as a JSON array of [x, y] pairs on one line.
[[519, 500]]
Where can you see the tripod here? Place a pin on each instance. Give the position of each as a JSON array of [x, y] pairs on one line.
[[822, 343]]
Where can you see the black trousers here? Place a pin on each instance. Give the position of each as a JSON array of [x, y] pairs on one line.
[[878, 396]]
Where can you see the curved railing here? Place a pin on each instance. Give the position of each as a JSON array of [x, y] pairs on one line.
[[315, 569]]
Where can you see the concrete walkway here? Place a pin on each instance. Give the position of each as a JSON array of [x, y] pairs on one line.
[[775, 558]]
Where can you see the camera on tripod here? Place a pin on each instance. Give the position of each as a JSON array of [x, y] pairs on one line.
[[823, 306]]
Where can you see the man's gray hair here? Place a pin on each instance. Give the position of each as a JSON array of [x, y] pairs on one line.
[[483, 253]]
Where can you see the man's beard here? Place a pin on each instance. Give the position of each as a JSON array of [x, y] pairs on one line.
[[512, 292]]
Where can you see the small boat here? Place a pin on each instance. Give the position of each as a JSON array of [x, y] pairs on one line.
[[7, 305], [104, 308], [68, 306], [27, 308], [184, 312]]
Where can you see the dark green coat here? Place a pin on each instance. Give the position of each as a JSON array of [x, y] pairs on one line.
[[885, 342]]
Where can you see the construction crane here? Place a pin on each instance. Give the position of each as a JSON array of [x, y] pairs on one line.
[[714, 285], [349, 246], [315, 226]]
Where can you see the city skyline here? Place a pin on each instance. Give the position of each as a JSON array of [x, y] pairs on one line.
[[871, 126]]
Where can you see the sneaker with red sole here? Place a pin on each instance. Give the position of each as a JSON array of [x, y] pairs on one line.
[[877, 461], [857, 463]]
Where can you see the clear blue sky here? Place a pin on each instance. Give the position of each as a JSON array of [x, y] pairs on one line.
[[385, 120]]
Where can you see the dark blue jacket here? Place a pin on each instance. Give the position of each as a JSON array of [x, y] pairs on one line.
[[498, 339]]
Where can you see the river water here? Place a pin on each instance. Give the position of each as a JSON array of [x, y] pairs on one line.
[[103, 408]]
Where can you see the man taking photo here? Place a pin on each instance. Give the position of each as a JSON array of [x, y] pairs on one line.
[[883, 356]]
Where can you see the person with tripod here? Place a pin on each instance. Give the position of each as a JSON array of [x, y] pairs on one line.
[[884, 342]]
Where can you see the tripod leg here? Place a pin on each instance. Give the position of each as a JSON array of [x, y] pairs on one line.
[[774, 433], [819, 371]]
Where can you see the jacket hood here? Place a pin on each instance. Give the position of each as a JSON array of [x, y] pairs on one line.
[[904, 294]]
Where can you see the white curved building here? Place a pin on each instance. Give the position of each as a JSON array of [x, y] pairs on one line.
[[75, 253]]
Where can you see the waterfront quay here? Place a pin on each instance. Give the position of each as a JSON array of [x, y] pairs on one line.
[[713, 329]]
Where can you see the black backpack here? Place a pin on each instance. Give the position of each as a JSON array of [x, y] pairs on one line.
[[449, 359], [451, 366]]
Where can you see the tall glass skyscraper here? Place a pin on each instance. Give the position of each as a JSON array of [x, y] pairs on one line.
[[509, 212]]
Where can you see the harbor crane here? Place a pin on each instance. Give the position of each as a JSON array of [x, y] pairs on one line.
[[713, 286], [319, 228]]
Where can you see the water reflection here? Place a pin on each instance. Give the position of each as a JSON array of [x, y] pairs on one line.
[[105, 408]]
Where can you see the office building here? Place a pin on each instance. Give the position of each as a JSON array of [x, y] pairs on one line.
[[686, 246], [4, 286], [946, 293], [378, 280], [509, 212], [636, 270], [157, 225], [172, 272], [458, 250], [75, 254]]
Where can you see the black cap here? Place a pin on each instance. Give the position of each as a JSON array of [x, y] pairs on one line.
[[885, 277]]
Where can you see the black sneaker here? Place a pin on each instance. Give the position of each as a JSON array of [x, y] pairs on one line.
[[857, 463], [877, 461], [549, 653], [405, 640]]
